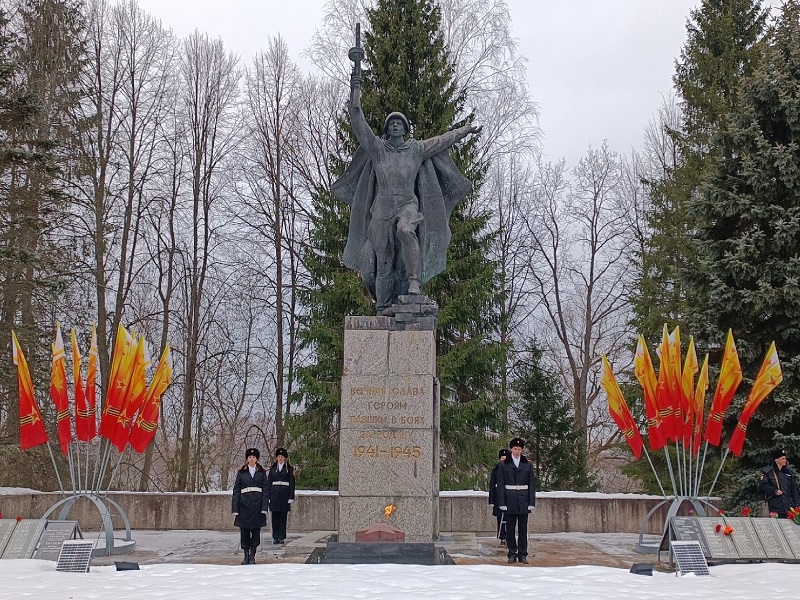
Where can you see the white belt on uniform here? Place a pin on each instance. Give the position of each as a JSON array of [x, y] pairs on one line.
[[251, 489], [516, 487], [280, 483]]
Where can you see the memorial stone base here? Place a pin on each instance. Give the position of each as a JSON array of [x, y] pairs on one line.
[[389, 443]]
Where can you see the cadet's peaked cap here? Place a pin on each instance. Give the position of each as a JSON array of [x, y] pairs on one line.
[[503, 453], [281, 452], [252, 452], [396, 115], [777, 453], [516, 442]]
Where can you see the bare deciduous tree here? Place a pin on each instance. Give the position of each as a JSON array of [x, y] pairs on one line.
[[579, 239], [209, 80]]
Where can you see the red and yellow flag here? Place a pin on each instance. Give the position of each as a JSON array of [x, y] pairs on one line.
[[663, 390], [81, 408], [134, 393], [90, 416], [730, 376], [769, 376], [645, 373], [674, 378], [31, 428], [118, 382], [618, 408], [144, 428], [58, 391], [699, 406], [687, 391]]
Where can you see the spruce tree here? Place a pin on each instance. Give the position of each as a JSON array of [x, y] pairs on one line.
[[408, 70], [748, 238], [40, 78], [543, 417], [721, 47], [335, 292]]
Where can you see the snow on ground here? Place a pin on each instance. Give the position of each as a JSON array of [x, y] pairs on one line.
[[38, 580]]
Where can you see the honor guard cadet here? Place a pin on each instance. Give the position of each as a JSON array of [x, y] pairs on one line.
[[516, 497], [280, 481], [249, 504], [501, 525]]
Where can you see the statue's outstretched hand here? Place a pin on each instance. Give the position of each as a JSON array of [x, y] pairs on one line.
[[475, 129]]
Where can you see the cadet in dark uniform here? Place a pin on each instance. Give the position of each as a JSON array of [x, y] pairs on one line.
[[501, 528], [516, 496], [280, 480], [778, 483], [249, 504]]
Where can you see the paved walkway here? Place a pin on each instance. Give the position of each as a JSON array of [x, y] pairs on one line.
[[222, 547]]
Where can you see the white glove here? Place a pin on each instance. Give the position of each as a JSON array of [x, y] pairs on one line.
[[492, 505], [530, 508], [235, 514], [290, 501], [503, 508]]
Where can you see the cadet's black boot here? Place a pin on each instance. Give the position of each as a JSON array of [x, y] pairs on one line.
[[253, 555], [246, 559]]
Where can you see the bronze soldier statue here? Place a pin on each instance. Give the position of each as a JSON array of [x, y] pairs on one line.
[[401, 193]]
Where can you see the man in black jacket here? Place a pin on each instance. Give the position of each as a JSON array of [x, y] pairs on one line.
[[516, 497], [778, 483]]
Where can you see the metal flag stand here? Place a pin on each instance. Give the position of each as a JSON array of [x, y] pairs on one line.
[[66, 505]]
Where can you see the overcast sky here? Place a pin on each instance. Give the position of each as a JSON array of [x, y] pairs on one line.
[[599, 70]]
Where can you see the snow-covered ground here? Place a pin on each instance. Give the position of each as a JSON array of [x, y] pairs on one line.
[[38, 580]]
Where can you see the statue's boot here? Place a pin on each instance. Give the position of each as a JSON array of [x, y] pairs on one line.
[[413, 285]]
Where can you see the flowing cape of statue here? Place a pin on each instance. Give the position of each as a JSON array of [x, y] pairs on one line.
[[439, 186]]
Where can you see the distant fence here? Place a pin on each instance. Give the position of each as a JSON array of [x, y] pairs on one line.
[[318, 511]]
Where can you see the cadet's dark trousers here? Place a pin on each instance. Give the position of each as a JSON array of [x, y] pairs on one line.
[[279, 525], [251, 538], [517, 544]]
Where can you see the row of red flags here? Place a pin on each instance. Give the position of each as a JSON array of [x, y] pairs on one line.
[[131, 408], [675, 402]]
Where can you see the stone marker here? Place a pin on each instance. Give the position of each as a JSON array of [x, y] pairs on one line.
[[389, 438]]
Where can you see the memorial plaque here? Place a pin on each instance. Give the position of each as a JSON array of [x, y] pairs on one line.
[[745, 538], [24, 538], [55, 534], [6, 529], [772, 539], [686, 529], [719, 545], [791, 532]]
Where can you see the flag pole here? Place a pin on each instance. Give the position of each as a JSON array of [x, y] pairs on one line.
[[71, 467], [671, 473], [700, 469], [103, 467], [114, 472], [77, 446], [713, 483], [653, 468], [55, 468], [679, 467]]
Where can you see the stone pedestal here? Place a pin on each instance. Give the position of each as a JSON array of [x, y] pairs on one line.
[[389, 441]]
